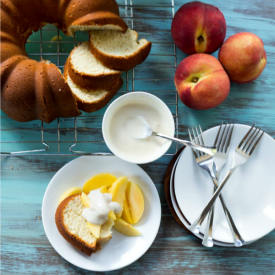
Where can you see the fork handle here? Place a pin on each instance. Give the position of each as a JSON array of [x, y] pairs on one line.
[[195, 226], [238, 240], [208, 237], [211, 150]]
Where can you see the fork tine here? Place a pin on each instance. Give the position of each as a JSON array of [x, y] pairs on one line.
[[218, 134], [199, 139], [225, 137], [249, 138], [251, 142], [203, 142], [255, 144], [229, 139], [196, 140], [221, 139], [190, 137], [247, 134]]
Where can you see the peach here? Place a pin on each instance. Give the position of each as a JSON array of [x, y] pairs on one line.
[[118, 192], [198, 28], [201, 81], [243, 57], [97, 181], [135, 201], [125, 228]]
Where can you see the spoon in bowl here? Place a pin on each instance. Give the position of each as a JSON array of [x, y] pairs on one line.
[[139, 128]]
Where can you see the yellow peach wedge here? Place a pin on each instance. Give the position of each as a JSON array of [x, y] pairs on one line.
[[126, 214], [85, 200], [125, 228], [94, 229], [117, 191], [70, 192], [97, 181], [135, 201], [103, 189]]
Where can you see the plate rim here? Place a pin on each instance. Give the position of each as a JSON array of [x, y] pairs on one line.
[[110, 269]]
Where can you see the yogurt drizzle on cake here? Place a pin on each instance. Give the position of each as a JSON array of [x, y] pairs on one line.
[[100, 206]]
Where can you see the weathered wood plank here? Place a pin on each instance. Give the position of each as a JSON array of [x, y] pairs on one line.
[[25, 248]]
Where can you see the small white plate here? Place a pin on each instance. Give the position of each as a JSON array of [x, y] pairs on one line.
[[121, 250], [249, 193]]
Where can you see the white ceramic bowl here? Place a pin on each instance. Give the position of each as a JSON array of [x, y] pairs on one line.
[[138, 98]]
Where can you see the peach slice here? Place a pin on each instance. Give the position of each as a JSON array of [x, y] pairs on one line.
[[103, 189], [94, 229], [126, 214], [97, 181], [135, 201], [117, 191], [85, 200], [125, 228], [70, 192]]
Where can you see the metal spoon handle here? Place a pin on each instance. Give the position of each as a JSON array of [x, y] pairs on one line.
[[211, 150]]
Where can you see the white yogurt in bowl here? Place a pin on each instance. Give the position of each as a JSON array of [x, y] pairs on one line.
[[119, 134]]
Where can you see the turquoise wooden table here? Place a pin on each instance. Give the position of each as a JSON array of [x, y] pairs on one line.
[[24, 246]]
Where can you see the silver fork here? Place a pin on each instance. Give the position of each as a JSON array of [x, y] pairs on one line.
[[211, 164], [241, 155]]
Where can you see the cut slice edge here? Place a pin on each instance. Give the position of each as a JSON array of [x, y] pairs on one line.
[[100, 20], [117, 50], [88, 72], [91, 100]]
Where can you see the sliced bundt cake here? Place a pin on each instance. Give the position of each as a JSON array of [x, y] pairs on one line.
[[33, 90]]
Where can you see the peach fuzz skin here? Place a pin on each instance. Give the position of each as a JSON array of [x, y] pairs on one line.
[[201, 82], [198, 28], [243, 57]]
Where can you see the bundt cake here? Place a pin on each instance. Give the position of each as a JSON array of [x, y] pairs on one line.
[[73, 227], [87, 72], [37, 90], [117, 50]]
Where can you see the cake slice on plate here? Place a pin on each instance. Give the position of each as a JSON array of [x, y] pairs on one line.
[[73, 227]]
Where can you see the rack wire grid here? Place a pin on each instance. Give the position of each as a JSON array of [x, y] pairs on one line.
[[82, 135]]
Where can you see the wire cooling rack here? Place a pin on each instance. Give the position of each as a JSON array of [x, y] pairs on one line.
[[82, 135]]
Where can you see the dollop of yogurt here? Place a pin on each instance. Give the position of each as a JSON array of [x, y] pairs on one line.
[[100, 206], [137, 127]]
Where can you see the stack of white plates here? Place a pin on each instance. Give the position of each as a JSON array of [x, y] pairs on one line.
[[249, 193]]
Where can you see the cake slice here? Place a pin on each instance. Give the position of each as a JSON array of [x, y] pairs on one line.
[[117, 50], [80, 15], [73, 227], [89, 100], [89, 73]]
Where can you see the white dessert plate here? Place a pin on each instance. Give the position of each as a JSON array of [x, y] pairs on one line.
[[121, 250], [249, 193]]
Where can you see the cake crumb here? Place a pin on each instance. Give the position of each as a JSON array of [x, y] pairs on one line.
[[35, 216], [11, 167], [39, 218]]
